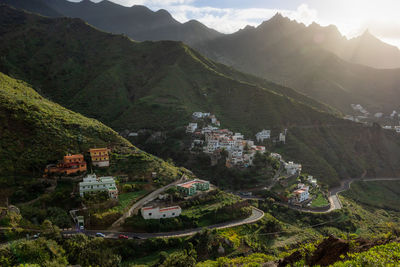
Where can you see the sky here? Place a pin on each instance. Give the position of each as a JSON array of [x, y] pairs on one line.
[[352, 17]]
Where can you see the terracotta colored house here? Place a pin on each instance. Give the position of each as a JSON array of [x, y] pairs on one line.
[[70, 164], [100, 157]]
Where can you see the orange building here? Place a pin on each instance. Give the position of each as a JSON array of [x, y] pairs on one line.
[[100, 157], [70, 164]]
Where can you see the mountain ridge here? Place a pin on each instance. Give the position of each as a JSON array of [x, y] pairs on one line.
[[158, 85], [138, 22]]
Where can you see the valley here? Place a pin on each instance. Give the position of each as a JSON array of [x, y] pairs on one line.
[[128, 138]]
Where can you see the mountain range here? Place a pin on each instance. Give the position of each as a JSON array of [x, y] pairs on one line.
[[158, 85], [137, 22], [297, 56], [317, 61]]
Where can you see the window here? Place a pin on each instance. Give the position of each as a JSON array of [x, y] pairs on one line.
[[150, 214], [163, 215], [173, 213]]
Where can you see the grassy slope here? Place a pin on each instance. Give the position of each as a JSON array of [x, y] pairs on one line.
[[157, 85], [383, 194], [35, 131]]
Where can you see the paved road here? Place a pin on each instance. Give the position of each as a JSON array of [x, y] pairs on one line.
[[345, 185], [334, 194], [255, 216], [142, 202]]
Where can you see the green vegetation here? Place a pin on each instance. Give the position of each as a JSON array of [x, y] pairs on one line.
[[36, 131], [320, 201], [200, 211], [41, 252], [384, 255], [127, 199], [256, 259], [157, 85], [379, 194]]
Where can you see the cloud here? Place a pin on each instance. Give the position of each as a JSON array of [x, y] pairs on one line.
[[351, 17], [228, 20], [130, 3]]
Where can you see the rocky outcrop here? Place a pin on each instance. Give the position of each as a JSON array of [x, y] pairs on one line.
[[329, 251]]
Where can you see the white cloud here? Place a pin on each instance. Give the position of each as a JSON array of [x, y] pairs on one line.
[[228, 20], [130, 3], [351, 17]]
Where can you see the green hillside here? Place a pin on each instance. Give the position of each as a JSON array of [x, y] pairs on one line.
[[35, 131], [157, 86], [379, 194]]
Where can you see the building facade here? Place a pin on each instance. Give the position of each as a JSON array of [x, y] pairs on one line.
[[100, 157], [92, 184], [191, 128], [293, 168], [263, 135], [190, 188], [302, 193], [70, 164], [160, 213]]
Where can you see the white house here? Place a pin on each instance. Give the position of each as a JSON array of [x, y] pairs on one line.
[[200, 115], [226, 143], [91, 183], [301, 194], [133, 134], [282, 138], [191, 128], [208, 129], [160, 213], [312, 181], [238, 136], [260, 149], [212, 145], [263, 135], [292, 168]]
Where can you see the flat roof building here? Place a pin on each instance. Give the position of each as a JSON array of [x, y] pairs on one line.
[[160, 213], [100, 157], [92, 184], [190, 188]]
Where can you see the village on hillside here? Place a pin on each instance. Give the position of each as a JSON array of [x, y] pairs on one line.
[[102, 194], [294, 188]]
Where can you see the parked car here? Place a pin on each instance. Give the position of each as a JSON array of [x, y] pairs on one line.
[[100, 235], [123, 237], [136, 237]]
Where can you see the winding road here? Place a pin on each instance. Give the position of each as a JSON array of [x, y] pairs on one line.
[[335, 203], [255, 216], [142, 202], [345, 185]]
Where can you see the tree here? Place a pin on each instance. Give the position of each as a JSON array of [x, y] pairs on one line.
[[59, 217], [90, 252], [126, 188], [181, 259]]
